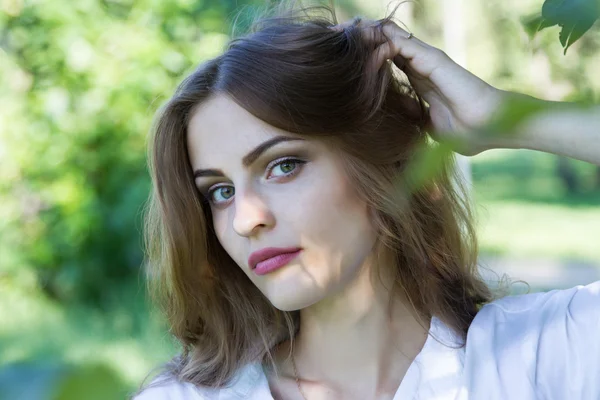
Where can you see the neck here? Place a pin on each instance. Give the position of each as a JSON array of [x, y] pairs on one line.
[[357, 341]]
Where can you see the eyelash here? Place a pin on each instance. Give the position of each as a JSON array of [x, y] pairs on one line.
[[270, 167]]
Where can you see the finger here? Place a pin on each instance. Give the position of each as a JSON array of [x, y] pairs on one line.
[[394, 32], [386, 51], [383, 52], [394, 41], [378, 32], [371, 32], [422, 58]]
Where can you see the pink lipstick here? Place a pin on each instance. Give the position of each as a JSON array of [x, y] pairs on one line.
[[270, 259]]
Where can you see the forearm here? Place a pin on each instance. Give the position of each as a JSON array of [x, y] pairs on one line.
[[563, 128]]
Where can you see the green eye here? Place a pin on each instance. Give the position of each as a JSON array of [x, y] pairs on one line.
[[226, 192], [288, 166], [285, 168]]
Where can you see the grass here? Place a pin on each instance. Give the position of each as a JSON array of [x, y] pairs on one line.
[[540, 231], [525, 211]]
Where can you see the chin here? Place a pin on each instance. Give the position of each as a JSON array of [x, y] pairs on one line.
[[291, 301]]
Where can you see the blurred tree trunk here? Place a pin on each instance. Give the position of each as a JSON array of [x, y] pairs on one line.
[[455, 45]]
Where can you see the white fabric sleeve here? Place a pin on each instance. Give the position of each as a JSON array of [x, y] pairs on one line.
[[566, 345], [539, 345], [173, 391], [581, 341]]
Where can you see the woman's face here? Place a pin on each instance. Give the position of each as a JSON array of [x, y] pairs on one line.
[[292, 194]]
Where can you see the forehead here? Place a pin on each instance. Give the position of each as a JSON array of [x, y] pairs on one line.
[[220, 127]]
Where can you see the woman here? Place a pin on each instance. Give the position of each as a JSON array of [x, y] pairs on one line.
[[299, 254]]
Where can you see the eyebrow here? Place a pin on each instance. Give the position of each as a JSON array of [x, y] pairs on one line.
[[248, 158]]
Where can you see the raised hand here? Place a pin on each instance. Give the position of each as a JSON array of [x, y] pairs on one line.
[[459, 101]]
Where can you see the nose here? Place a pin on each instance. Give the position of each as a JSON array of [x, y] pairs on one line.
[[251, 213]]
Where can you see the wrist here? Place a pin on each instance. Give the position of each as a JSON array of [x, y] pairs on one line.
[[509, 127]]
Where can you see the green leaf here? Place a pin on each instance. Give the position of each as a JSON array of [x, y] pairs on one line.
[[517, 108], [427, 162], [575, 17], [554, 10], [514, 110], [571, 33]]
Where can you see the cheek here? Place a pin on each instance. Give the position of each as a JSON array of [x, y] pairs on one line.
[[220, 225], [337, 232], [330, 210], [225, 235]]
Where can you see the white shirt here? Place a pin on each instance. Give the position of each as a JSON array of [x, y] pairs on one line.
[[534, 346]]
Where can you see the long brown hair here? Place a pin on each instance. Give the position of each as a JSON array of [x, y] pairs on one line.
[[296, 73]]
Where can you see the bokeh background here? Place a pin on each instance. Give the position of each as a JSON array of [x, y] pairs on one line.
[[80, 82]]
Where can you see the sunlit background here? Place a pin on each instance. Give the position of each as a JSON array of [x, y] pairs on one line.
[[80, 82]]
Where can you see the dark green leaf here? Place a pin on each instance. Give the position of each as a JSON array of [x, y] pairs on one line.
[[571, 33], [575, 17], [554, 10]]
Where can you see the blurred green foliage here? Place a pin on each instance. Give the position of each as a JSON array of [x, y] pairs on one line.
[[43, 343], [27, 381], [80, 83]]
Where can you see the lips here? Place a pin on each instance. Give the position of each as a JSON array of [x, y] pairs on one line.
[[269, 252]]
